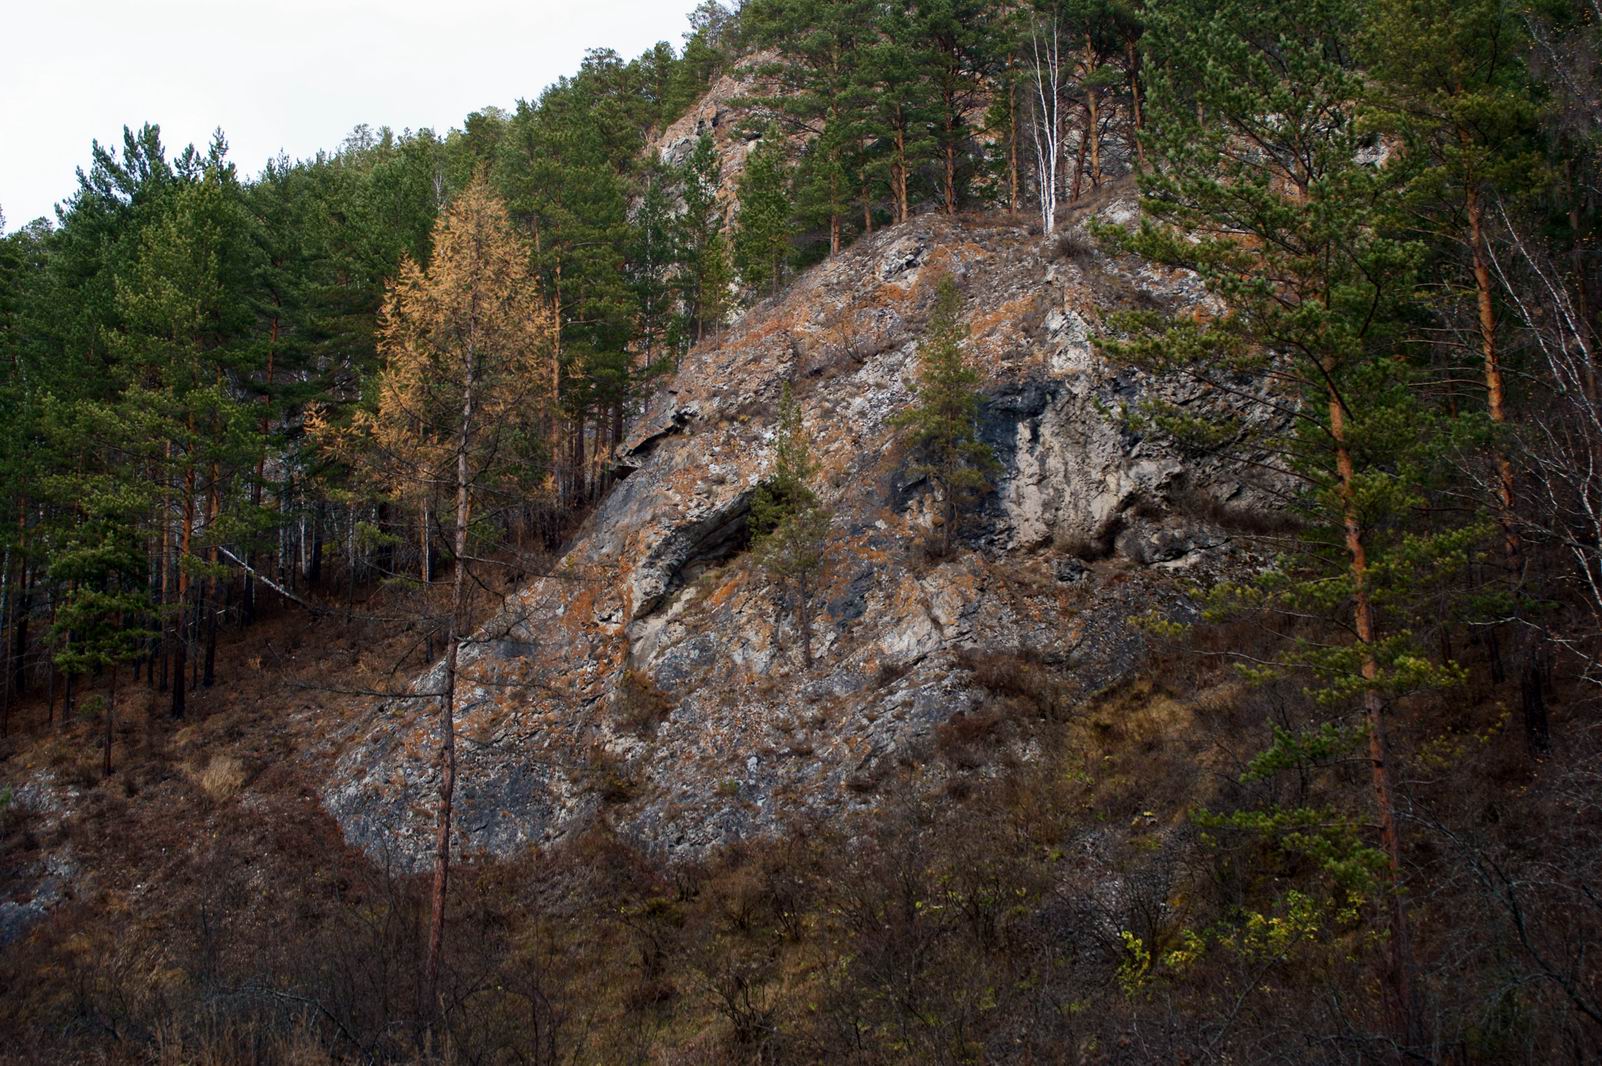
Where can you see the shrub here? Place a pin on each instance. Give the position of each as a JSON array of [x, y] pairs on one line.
[[222, 778], [1072, 245], [640, 703], [613, 781], [962, 737]]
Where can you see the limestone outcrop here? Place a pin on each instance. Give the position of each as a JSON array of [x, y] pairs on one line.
[[652, 681]]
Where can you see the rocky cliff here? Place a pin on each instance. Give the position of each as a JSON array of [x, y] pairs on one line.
[[723, 113], [650, 680]]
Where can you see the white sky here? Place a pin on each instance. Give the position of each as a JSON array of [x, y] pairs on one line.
[[295, 75]]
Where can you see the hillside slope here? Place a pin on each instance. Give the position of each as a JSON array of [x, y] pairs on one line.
[[648, 680]]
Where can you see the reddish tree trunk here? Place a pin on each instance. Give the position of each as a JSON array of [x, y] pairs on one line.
[[898, 169], [19, 625], [1079, 170], [951, 165], [1401, 961], [1138, 121], [1537, 729], [1093, 117], [209, 612], [1012, 149], [180, 651], [164, 596], [111, 717]]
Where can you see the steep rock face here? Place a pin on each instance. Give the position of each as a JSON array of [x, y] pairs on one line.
[[653, 680], [722, 113]]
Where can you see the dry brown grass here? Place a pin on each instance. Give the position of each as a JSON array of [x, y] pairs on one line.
[[1015, 316], [222, 778]]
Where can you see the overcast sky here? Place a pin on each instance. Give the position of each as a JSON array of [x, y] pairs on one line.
[[294, 75]]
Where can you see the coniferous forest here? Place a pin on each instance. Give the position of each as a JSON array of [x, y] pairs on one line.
[[279, 450]]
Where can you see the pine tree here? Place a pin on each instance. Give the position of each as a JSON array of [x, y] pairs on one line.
[[1452, 90], [823, 192], [29, 372], [789, 523], [897, 114], [708, 271], [714, 280], [820, 48], [959, 38], [654, 255], [1093, 26], [100, 563], [941, 428], [1004, 118], [762, 229], [564, 168], [184, 338], [1292, 238]]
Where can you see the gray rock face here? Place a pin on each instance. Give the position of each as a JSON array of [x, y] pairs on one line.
[[33, 890], [721, 114], [657, 609], [51, 879]]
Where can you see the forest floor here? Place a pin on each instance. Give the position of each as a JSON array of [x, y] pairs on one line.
[[218, 813]]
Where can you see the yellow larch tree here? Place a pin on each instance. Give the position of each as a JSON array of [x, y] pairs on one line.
[[460, 405]]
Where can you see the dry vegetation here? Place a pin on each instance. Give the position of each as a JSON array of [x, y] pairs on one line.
[[1042, 907]]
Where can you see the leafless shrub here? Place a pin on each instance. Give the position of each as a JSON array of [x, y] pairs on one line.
[[1250, 521], [1072, 245], [640, 703], [1560, 452], [610, 776]]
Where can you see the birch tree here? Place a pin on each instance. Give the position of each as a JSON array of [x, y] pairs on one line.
[[1046, 127]]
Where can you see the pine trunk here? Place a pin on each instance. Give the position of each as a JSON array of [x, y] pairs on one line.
[[1079, 170], [5, 645], [164, 597], [314, 561], [209, 614], [180, 651], [1137, 118], [1401, 962], [1013, 201], [898, 170], [19, 627], [258, 483], [951, 163], [111, 717], [19, 635], [1494, 391], [1093, 117], [1537, 729]]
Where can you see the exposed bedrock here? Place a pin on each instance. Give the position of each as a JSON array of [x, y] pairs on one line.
[[655, 679]]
